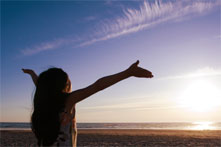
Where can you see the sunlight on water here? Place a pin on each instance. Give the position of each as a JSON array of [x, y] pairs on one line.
[[203, 126]]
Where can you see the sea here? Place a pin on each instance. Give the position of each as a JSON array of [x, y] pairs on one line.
[[148, 126]]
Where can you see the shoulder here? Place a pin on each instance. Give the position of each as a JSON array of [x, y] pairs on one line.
[[68, 104]]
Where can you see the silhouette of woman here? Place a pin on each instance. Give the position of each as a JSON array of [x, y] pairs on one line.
[[53, 119]]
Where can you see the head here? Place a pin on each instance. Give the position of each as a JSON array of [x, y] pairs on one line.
[[52, 89], [54, 79]]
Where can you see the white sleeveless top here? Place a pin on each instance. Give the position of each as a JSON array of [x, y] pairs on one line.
[[68, 134]]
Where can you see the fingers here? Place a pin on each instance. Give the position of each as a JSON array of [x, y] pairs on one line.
[[23, 70], [137, 71], [150, 75], [28, 71], [147, 74], [137, 62]]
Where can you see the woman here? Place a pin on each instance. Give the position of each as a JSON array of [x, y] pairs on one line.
[[53, 119]]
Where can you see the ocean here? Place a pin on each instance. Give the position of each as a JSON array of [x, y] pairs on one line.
[[149, 125]]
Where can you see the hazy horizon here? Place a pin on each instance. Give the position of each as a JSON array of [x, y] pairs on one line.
[[179, 41]]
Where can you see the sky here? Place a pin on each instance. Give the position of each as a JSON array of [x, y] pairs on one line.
[[178, 41]]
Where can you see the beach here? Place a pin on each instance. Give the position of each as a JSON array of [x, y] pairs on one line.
[[124, 137]]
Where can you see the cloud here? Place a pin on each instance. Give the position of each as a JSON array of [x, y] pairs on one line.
[[42, 47], [137, 106], [90, 18], [133, 106], [117, 106], [203, 72], [133, 20], [140, 104], [218, 37], [47, 46], [149, 15]]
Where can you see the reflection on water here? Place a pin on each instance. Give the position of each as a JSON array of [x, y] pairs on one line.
[[149, 125], [203, 126]]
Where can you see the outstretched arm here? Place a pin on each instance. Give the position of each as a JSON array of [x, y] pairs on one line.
[[32, 74], [105, 82]]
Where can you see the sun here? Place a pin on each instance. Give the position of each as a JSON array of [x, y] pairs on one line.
[[201, 96]]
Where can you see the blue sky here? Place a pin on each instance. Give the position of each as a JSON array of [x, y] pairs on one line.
[[179, 41]]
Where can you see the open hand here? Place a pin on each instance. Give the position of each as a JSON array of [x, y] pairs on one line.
[[136, 71], [27, 71], [32, 74]]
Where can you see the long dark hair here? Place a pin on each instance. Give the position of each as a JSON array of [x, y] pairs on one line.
[[49, 100]]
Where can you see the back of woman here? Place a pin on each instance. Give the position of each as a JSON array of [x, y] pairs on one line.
[[68, 133], [49, 104], [53, 119]]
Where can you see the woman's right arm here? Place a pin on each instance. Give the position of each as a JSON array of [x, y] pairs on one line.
[[106, 82], [33, 75]]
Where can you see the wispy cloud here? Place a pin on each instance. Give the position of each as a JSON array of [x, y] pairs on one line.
[[139, 105], [218, 37], [133, 20], [41, 47], [203, 72], [149, 15], [117, 106], [90, 18], [47, 46]]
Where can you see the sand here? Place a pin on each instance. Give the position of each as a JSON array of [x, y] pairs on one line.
[[103, 137]]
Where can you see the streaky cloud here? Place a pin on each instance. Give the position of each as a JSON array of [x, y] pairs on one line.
[[137, 106], [145, 17], [46, 46], [41, 47], [150, 15], [203, 72], [140, 104]]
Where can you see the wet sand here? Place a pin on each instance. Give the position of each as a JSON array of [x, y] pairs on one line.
[[118, 137]]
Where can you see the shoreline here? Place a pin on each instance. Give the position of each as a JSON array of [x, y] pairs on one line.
[[155, 129], [123, 137]]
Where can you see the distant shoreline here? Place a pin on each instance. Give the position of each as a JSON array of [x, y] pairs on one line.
[[141, 126], [29, 129], [124, 137]]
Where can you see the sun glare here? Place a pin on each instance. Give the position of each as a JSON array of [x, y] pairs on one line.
[[203, 126], [201, 96]]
